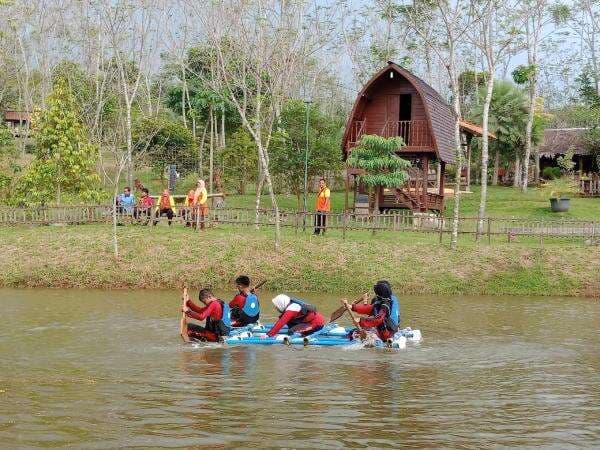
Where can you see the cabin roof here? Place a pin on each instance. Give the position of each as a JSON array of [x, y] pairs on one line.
[[474, 129], [556, 141], [438, 112], [16, 116]]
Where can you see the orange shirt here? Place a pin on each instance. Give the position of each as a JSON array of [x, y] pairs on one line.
[[323, 203]]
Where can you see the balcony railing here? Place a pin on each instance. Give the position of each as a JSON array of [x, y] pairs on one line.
[[415, 133], [357, 129]]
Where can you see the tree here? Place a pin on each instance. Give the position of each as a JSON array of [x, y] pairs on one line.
[[64, 158], [9, 166], [376, 155], [163, 142], [494, 34], [260, 47], [289, 145], [538, 15], [455, 20], [239, 160]]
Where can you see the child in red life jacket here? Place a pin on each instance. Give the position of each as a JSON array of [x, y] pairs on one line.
[[245, 307], [216, 313], [300, 317], [380, 311]]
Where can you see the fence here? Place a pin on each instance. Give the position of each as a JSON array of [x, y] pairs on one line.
[[399, 221]]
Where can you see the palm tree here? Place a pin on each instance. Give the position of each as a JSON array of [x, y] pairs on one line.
[[376, 155]]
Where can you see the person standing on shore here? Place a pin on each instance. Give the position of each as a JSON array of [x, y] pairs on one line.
[[323, 207], [201, 201]]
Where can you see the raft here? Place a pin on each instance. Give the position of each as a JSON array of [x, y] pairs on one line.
[[330, 335]]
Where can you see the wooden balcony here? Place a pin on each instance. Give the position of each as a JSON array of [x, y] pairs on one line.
[[415, 133], [357, 129]]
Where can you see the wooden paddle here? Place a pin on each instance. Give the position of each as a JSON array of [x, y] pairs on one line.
[[342, 309], [258, 285], [183, 322], [361, 331]]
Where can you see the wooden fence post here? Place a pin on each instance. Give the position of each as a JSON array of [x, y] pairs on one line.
[[442, 229], [344, 224], [489, 230]]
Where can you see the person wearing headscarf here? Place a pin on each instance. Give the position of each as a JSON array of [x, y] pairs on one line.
[[382, 313], [300, 317], [201, 201]]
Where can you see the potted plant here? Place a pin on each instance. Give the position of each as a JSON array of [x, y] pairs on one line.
[[560, 191]]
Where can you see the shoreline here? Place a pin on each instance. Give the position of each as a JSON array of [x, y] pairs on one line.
[[415, 263]]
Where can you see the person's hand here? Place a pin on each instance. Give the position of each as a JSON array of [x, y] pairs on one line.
[[365, 298], [345, 302], [185, 309]]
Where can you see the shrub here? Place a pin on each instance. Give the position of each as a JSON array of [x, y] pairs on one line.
[[551, 173]]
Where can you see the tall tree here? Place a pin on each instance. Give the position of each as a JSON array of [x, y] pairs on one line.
[[538, 16], [64, 160]]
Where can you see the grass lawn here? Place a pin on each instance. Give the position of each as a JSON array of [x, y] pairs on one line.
[[506, 202]]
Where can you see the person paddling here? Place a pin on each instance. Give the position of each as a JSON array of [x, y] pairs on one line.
[[300, 317], [216, 313], [383, 311], [245, 307]]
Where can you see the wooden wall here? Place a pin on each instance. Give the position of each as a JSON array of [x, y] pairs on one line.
[[382, 103]]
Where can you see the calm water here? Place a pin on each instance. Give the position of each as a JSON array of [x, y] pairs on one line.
[[92, 369]]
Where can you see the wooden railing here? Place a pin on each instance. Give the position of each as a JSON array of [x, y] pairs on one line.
[[357, 129], [590, 186], [415, 133], [400, 220]]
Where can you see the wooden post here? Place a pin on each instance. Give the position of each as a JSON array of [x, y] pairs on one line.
[[489, 230], [344, 224], [347, 182], [441, 229], [468, 145]]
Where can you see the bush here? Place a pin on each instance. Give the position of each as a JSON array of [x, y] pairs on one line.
[[551, 173]]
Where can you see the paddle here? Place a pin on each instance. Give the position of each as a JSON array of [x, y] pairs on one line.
[[183, 322], [258, 285], [361, 331], [342, 309]]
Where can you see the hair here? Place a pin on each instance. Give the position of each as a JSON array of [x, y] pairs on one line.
[[204, 294], [145, 190], [127, 188], [323, 180], [243, 280], [383, 289]]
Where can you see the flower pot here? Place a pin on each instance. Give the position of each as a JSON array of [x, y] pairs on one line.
[[560, 204]]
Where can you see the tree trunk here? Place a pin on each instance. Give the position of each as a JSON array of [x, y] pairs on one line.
[[496, 168], [457, 144], [536, 173], [223, 125], [517, 178], [211, 153], [128, 130], [259, 186], [485, 145], [267, 178]]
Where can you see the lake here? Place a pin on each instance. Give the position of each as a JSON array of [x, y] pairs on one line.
[[99, 369]]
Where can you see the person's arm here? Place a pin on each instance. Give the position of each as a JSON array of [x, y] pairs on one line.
[[194, 307], [373, 322], [327, 199], [283, 321], [203, 197], [211, 310], [361, 308]]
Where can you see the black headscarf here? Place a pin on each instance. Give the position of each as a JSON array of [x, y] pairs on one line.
[[383, 290]]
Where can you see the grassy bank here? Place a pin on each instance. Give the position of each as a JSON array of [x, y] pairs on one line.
[[502, 202], [81, 256]]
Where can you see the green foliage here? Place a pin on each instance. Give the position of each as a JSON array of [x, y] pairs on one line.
[[470, 82], [559, 187], [239, 160], [565, 162], [551, 173], [377, 156], [8, 162], [591, 141], [287, 153], [163, 141], [508, 118], [523, 74], [65, 160], [587, 90]]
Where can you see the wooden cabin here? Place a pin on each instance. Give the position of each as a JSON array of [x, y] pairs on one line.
[[17, 121], [395, 102]]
